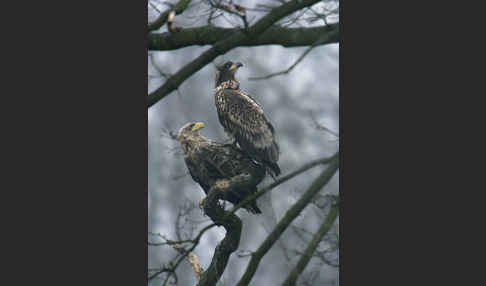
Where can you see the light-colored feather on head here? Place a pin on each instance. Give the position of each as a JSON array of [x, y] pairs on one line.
[[190, 132]]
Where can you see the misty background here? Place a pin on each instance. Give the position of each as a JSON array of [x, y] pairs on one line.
[[295, 104]]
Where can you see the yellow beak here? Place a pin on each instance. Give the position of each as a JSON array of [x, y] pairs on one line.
[[235, 66], [198, 126]]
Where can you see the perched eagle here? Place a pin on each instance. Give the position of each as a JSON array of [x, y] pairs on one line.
[[209, 162], [244, 120]]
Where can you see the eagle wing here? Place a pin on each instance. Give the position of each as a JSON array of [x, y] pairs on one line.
[[245, 118], [215, 161], [198, 173], [229, 162]]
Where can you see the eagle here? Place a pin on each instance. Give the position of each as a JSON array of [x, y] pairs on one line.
[[208, 162], [243, 119]]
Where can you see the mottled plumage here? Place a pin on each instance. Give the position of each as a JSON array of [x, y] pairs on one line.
[[244, 120], [209, 162]]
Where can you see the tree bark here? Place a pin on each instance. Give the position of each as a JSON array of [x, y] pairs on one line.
[[210, 35]]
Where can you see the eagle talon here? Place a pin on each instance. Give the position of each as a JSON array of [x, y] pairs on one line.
[[222, 184]]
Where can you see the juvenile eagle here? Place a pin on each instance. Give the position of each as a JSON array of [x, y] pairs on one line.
[[244, 120], [209, 162]]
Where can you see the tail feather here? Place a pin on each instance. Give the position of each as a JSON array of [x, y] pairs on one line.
[[273, 169], [253, 208], [236, 196]]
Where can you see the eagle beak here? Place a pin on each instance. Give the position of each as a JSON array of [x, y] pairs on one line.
[[235, 66], [198, 126]]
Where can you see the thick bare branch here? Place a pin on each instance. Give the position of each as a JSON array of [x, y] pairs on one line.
[[224, 46], [230, 242], [162, 19], [312, 246], [291, 214], [210, 35]]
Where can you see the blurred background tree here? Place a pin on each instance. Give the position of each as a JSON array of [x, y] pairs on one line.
[[290, 52]]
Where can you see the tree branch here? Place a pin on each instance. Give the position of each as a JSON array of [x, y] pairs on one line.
[[230, 242], [283, 179], [162, 19], [311, 248], [191, 258], [233, 9], [291, 214], [323, 39], [171, 270], [228, 220], [210, 35], [224, 46]]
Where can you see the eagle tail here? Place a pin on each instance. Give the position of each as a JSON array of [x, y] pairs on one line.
[[253, 208], [273, 169]]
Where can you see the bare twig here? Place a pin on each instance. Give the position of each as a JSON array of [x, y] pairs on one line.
[[183, 212], [318, 42], [311, 248], [154, 7], [162, 19], [231, 8], [321, 127], [157, 68], [191, 258], [160, 271], [167, 133], [173, 266]]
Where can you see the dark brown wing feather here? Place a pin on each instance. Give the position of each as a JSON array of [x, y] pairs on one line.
[[244, 118], [217, 161]]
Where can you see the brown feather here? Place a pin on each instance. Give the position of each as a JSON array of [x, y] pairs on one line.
[[209, 162], [245, 119]]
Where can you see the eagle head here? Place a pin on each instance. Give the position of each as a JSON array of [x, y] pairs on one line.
[[227, 71], [189, 137], [190, 131]]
